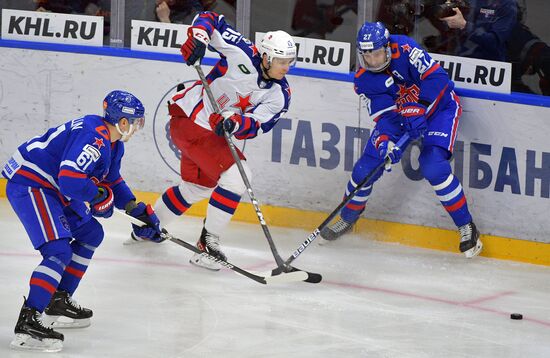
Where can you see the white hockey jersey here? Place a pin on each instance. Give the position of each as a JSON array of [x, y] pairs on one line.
[[236, 82]]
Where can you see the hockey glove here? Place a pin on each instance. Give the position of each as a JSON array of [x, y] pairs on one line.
[[225, 121], [102, 204], [414, 118], [195, 47], [151, 231], [388, 151]]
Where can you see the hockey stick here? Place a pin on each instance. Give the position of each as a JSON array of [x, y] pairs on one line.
[[281, 266], [287, 277], [400, 144]]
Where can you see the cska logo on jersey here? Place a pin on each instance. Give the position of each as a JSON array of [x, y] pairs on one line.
[[99, 143], [407, 94], [243, 102], [406, 48]]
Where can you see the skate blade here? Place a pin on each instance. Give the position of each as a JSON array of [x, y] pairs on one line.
[[25, 342], [205, 263], [474, 251], [62, 322]]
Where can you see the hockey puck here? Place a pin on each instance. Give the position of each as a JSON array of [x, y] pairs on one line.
[[516, 316]]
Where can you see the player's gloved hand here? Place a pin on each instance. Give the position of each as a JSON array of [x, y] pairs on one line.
[[414, 115], [225, 121], [152, 230], [102, 204], [195, 47], [388, 151]]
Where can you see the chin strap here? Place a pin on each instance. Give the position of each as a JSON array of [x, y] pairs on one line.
[[125, 135]]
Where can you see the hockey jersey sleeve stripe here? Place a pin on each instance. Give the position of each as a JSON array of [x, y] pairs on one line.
[[248, 128], [430, 71], [71, 174], [207, 21], [435, 103], [119, 180], [196, 110]]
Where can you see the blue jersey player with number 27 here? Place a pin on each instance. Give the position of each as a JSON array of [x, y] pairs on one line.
[[406, 91], [57, 184]]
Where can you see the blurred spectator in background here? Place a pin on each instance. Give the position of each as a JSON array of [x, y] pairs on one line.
[[529, 56], [83, 7], [319, 17], [181, 11], [483, 27]]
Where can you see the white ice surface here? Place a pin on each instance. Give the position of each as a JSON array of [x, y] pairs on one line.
[[376, 299]]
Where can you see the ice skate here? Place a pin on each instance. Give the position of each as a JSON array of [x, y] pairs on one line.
[[64, 312], [32, 334], [210, 244], [470, 244], [336, 230]]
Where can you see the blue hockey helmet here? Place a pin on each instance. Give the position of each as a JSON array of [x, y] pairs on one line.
[[120, 104], [373, 36]]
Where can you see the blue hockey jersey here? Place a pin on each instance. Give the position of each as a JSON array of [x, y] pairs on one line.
[[412, 76], [71, 159]]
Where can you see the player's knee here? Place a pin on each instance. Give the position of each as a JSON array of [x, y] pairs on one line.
[[90, 233], [434, 163], [363, 167], [231, 179], [58, 250]]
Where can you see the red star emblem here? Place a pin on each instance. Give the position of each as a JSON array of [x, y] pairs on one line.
[[243, 102], [406, 48], [254, 49], [99, 142]]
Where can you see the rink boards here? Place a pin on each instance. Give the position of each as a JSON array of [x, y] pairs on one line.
[[301, 167]]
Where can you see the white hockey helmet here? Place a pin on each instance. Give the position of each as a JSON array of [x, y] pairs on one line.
[[278, 44]]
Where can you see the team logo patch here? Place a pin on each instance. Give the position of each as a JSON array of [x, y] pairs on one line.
[[64, 223]]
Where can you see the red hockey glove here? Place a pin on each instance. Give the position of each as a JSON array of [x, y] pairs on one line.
[[414, 115], [195, 47], [225, 121], [102, 204]]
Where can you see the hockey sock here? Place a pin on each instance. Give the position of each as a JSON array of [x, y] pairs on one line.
[[221, 207], [46, 276], [350, 213], [174, 201], [82, 254], [451, 195], [86, 239]]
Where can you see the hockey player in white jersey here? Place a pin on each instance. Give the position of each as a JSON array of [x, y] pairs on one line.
[[252, 92]]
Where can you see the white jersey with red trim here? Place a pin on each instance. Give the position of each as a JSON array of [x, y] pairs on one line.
[[236, 82]]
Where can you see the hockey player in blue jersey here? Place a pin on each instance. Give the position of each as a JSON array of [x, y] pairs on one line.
[[57, 184], [250, 88], [405, 90]]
